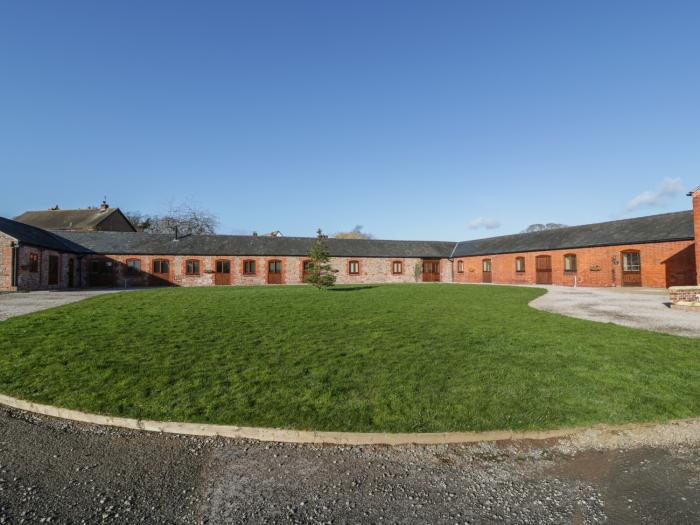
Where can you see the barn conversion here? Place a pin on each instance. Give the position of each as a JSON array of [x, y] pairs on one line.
[[655, 251]]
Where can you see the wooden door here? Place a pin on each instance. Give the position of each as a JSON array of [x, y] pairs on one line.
[[71, 273], [101, 272], [631, 268], [543, 269], [53, 269], [431, 271], [486, 271], [222, 276], [274, 272]]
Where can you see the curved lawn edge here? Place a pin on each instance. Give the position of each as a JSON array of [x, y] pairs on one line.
[[321, 437]]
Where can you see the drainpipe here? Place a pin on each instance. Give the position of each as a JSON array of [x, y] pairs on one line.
[[14, 276], [79, 264]]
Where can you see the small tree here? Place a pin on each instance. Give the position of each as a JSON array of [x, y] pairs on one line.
[[320, 274]]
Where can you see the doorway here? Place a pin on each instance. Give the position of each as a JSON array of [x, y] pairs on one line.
[[431, 271], [222, 276], [543, 269], [631, 268], [486, 271], [274, 272]]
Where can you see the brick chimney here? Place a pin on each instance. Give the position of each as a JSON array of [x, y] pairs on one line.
[[104, 205], [695, 194]]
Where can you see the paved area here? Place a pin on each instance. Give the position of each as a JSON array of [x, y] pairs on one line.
[[57, 472], [645, 308], [12, 304]]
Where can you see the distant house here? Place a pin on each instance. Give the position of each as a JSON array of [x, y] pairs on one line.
[[103, 218]]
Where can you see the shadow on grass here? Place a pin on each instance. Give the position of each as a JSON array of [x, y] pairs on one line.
[[351, 289]]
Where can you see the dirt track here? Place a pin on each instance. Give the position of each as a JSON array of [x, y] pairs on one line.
[[79, 473]]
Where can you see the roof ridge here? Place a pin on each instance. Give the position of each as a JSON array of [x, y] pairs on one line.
[[280, 239], [564, 228]]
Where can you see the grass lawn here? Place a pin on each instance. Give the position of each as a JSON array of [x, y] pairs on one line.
[[414, 358]]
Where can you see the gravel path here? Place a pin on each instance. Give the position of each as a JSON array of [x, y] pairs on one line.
[[61, 472], [639, 308], [12, 304]]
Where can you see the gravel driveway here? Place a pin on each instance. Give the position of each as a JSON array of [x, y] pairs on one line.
[[57, 472], [645, 308], [12, 304]]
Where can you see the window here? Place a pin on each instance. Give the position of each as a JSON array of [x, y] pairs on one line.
[[354, 267], [192, 267], [223, 266], [570, 263], [486, 265], [249, 267], [631, 262], [101, 266], [33, 262], [133, 266], [397, 267], [520, 264], [274, 266], [460, 266], [161, 266]]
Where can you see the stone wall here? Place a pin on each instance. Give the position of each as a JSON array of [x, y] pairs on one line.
[[28, 280], [372, 270], [6, 263]]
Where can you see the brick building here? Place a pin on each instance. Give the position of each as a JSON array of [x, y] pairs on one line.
[[655, 251], [102, 218]]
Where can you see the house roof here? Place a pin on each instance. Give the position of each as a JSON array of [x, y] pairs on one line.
[[654, 228], [126, 243], [83, 219], [34, 236]]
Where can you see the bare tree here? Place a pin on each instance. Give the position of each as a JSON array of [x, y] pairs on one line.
[[184, 218], [188, 219], [355, 233], [543, 227]]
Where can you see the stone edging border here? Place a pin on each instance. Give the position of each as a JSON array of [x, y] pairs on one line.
[[311, 436]]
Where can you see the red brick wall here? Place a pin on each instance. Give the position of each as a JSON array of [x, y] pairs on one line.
[[696, 228], [663, 264], [684, 294]]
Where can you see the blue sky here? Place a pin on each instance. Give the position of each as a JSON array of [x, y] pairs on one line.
[[449, 120]]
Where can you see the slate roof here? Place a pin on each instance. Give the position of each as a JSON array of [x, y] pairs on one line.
[[33, 236], [126, 243], [654, 228], [84, 219]]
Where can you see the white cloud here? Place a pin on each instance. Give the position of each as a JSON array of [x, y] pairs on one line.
[[482, 222], [668, 188]]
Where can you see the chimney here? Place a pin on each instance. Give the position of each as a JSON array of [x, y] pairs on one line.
[[104, 205], [695, 194]]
